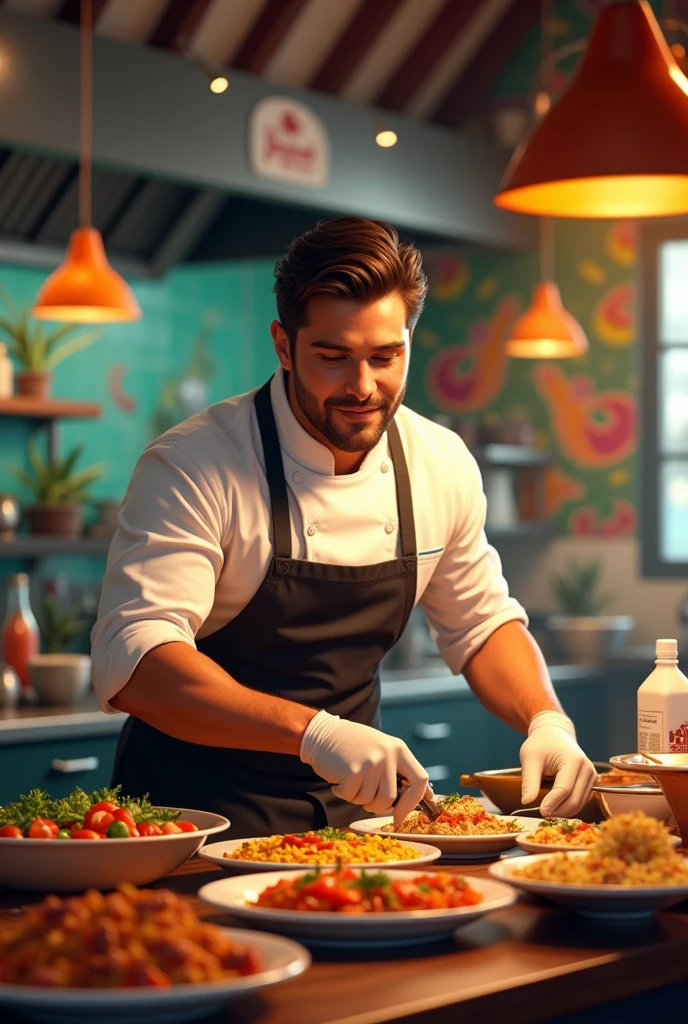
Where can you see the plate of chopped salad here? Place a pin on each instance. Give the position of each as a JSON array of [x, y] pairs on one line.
[[96, 840], [358, 907], [316, 849], [463, 830], [554, 834]]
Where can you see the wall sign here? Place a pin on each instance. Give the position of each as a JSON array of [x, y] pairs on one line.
[[288, 142]]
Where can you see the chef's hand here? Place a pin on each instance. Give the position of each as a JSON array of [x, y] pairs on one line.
[[362, 764], [551, 749]]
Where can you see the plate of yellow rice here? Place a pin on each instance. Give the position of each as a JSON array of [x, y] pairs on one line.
[[632, 870], [326, 846]]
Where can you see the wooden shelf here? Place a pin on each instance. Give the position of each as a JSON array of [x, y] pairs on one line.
[[36, 546], [48, 408], [512, 455]]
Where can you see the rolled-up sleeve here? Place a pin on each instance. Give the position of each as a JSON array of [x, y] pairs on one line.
[[164, 561], [467, 597]]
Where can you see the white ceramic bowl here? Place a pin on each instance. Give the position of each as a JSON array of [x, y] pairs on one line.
[[358, 931], [215, 853], [619, 799], [282, 959], [73, 865], [610, 902], [60, 678]]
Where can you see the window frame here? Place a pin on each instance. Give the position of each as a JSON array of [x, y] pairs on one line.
[[652, 235]]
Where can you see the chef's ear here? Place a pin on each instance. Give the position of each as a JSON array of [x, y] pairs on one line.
[[282, 346]]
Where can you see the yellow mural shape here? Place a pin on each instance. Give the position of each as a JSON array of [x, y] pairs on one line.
[[486, 288], [593, 430], [592, 272], [619, 477], [613, 317], [448, 275], [622, 243], [468, 377]]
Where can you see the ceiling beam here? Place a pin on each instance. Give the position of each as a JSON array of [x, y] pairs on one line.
[[438, 37], [463, 97], [266, 34], [177, 24], [70, 11], [353, 44]]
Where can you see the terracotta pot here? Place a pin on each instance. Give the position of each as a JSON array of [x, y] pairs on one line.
[[33, 383], [63, 520]]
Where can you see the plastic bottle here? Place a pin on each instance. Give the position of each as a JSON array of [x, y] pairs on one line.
[[20, 636], [6, 373], [663, 705]]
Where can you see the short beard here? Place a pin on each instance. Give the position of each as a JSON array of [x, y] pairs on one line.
[[355, 438]]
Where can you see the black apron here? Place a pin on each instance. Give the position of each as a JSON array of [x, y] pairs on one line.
[[313, 633]]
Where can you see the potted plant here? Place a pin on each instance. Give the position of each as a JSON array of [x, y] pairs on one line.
[[38, 348], [58, 491], [583, 634], [58, 676]]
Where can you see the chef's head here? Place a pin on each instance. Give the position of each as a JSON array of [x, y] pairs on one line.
[[349, 295]]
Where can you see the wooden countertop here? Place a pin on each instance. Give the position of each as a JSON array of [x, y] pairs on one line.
[[528, 963]]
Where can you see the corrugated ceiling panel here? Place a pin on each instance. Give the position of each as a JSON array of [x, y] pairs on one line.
[[149, 217], [44, 180]]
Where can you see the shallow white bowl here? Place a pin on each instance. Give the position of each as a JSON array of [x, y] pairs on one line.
[[282, 959], [467, 847], [611, 902], [619, 799], [238, 895], [215, 854], [531, 847], [60, 678], [73, 865]]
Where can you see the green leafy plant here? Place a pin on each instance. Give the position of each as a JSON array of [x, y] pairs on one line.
[[576, 590], [33, 344], [55, 481], [59, 626]]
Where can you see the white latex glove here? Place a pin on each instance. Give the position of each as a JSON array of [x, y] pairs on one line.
[[551, 749], [362, 764]]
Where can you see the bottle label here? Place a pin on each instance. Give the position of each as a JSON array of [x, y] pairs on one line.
[[650, 730], [678, 739]]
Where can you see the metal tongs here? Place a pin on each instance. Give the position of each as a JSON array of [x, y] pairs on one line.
[[427, 804]]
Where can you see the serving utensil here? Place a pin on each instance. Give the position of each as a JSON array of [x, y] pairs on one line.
[[426, 804]]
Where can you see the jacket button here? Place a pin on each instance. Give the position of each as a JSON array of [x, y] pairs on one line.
[[281, 567], [389, 527], [384, 468], [297, 478], [312, 530]]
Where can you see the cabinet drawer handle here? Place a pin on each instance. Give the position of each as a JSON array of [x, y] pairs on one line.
[[74, 764], [432, 730], [438, 772]]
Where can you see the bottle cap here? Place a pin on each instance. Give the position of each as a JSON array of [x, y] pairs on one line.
[[666, 649]]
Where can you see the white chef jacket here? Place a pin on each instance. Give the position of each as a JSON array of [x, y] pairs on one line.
[[194, 537]]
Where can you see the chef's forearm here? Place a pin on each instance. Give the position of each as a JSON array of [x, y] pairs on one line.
[[180, 691], [509, 676]]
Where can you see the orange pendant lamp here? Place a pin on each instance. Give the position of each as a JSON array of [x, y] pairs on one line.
[[616, 143], [546, 330], [85, 288]]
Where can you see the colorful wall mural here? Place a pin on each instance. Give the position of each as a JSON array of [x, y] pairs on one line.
[[585, 409]]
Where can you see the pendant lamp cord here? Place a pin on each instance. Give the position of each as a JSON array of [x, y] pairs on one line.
[[546, 223], [86, 113]]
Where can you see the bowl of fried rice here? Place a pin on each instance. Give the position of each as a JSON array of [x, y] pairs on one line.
[[464, 829], [632, 870]]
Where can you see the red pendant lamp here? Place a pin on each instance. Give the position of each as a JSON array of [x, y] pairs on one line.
[[85, 288], [616, 143], [546, 330]]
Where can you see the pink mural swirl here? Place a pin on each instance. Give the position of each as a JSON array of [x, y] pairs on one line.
[[593, 430], [465, 378]]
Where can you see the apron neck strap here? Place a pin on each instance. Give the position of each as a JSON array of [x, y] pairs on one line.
[[274, 471]]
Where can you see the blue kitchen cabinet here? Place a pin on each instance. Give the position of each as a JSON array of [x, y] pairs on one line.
[[57, 766]]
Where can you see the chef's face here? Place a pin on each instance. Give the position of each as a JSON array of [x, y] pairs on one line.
[[347, 368]]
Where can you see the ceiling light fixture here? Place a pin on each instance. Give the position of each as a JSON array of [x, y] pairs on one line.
[[616, 143], [85, 288], [386, 138]]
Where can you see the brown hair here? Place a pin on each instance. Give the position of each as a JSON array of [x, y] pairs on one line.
[[350, 258]]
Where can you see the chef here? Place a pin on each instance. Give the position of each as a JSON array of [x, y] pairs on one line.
[[270, 551]]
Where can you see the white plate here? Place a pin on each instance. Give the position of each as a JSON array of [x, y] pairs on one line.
[[237, 896], [531, 847], [74, 865], [611, 902], [282, 959], [467, 847], [214, 853]]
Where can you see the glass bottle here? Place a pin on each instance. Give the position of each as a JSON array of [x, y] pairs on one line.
[[20, 636]]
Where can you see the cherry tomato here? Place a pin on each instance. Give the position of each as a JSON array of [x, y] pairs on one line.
[[99, 821], [133, 831], [147, 828], [170, 828], [117, 830], [43, 828], [11, 832], [104, 805], [123, 814], [87, 833], [186, 826]]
